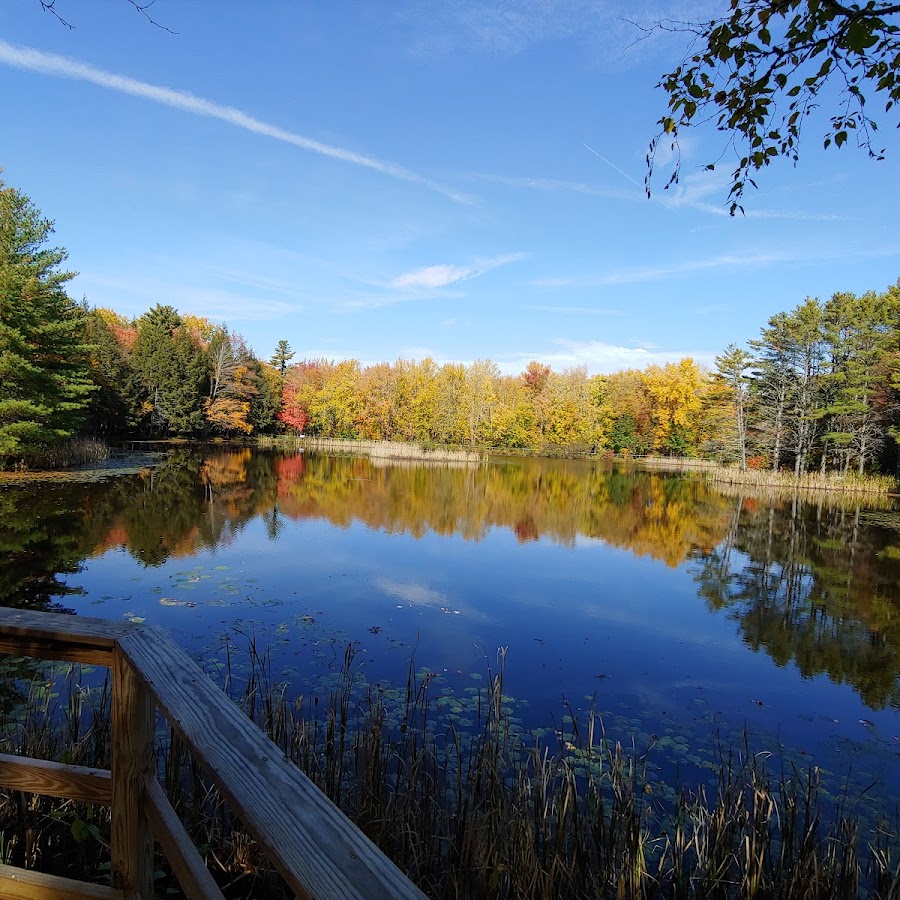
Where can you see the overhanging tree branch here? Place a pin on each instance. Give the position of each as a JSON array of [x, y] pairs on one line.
[[757, 74]]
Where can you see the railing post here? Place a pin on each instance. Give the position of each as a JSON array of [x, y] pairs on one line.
[[132, 753]]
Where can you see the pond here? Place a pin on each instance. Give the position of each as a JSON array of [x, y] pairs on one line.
[[689, 616]]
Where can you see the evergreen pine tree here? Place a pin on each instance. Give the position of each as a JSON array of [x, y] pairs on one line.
[[45, 382], [172, 370]]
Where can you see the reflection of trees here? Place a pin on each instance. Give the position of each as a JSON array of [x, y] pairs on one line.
[[40, 539], [192, 502], [662, 517], [806, 584]]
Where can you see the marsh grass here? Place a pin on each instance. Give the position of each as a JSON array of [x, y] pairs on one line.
[[73, 452], [388, 450], [468, 812], [831, 482]]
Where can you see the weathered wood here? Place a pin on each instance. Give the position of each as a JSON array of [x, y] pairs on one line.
[[316, 848], [53, 650], [179, 850], [22, 884], [58, 636], [132, 754], [52, 779]]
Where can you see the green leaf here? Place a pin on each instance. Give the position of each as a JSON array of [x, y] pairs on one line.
[[860, 36], [80, 831]]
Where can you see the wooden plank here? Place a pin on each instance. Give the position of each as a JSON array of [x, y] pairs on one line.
[[64, 627], [23, 884], [316, 848], [53, 650], [132, 758], [47, 635], [179, 850], [52, 779]]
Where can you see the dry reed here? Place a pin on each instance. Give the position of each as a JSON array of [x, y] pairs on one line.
[[74, 452], [470, 813]]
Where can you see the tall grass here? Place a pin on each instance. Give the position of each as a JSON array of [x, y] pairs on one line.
[[73, 452], [399, 450], [852, 483], [473, 813]]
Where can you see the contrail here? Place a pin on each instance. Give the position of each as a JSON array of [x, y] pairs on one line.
[[622, 172], [63, 67]]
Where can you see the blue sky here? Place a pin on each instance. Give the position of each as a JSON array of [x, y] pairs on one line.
[[453, 178]]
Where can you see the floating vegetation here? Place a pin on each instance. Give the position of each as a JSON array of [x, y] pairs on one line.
[[113, 466], [462, 797], [884, 519]]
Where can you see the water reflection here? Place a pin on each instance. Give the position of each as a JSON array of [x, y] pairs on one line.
[[809, 584], [812, 586]]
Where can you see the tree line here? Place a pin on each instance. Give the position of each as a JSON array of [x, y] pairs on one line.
[[819, 387]]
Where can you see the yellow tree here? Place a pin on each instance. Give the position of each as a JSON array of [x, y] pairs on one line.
[[335, 409], [478, 401], [378, 417], [417, 397], [677, 391], [627, 408], [448, 425]]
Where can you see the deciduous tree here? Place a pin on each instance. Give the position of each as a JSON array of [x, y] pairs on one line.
[[761, 69]]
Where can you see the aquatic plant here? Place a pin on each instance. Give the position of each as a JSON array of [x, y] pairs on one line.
[[469, 810]]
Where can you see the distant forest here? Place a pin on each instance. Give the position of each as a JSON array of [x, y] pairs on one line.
[[819, 388]]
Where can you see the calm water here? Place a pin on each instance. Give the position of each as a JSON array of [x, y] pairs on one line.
[[676, 609]]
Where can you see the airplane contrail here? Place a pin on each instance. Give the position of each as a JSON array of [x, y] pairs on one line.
[[34, 60], [612, 165]]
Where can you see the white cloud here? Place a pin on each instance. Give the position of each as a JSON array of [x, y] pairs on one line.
[[432, 278], [411, 592], [601, 357], [64, 67]]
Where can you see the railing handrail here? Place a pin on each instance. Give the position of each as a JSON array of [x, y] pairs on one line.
[[319, 852]]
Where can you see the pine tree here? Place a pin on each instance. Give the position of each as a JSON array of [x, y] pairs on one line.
[[172, 370], [732, 367], [281, 357], [45, 383]]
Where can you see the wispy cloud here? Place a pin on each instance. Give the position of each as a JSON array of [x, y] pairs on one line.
[[557, 185], [441, 276], [655, 273], [34, 60], [600, 357], [609, 29], [696, 187], [642, 274], [136, 295], [579, 310]]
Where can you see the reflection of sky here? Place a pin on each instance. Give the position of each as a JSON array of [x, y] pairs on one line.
[[579, 621]]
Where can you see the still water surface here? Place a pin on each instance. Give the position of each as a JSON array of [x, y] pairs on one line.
[[678, 610]]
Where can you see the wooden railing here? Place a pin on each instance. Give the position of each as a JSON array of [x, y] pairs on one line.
[[319, 852]]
